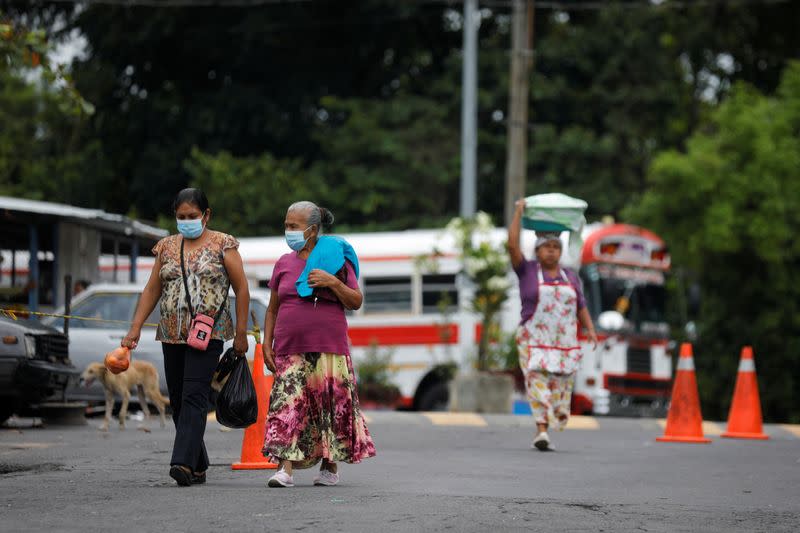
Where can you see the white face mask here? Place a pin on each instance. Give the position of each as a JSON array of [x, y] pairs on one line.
[[191, 229], [296, 239]]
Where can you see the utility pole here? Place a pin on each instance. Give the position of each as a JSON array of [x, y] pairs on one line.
[[469, 147], [469, 109], [519, 92]]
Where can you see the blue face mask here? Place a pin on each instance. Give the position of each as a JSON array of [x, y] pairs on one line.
[[191, 229], [296, 239]]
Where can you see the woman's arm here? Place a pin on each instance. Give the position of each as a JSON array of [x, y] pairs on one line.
[[514, 249], [350, 298], [235, 269], [586, 321], [147, 302], [269, 329]]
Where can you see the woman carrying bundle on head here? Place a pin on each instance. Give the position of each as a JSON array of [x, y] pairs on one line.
[[547, 338]]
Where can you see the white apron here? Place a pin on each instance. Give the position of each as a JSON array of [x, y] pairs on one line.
[[549, 339]]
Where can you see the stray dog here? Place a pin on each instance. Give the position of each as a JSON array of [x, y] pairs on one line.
[[141, 374]]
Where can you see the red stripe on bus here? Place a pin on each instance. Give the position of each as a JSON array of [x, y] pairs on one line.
[[638, 375], [403, 335], [638, 384]]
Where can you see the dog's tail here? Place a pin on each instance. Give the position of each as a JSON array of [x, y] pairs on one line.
[[163, 399], [158, 395]]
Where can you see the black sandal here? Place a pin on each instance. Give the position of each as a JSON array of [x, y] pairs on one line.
[[181, 475]]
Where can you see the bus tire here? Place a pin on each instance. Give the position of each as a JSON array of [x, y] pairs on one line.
[[435, 397]]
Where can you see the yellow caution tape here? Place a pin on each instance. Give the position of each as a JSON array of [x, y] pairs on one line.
[[12, 313]]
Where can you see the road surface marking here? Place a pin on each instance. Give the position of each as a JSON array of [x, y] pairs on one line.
[[794, 429], [709, 428], [455, 419], [27, 445], [582, 422]]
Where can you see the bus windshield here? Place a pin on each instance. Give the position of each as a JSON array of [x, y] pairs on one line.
[[638, 294]]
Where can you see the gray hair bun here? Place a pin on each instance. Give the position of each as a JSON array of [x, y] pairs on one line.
[[326, 218]]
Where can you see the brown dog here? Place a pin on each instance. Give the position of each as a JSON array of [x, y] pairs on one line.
[[140, 374]]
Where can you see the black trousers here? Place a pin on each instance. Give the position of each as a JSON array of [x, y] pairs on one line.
[[188, 372]]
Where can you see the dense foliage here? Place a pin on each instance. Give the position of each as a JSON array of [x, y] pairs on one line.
[[730, 207], [357, 105]]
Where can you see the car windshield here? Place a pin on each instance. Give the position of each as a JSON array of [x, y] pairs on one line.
[[106, 306], [256, 307]]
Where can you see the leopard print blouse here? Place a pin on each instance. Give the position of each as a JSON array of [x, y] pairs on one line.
[[208, 286]]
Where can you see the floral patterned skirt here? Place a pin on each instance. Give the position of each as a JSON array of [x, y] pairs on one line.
[[314, 412], [550, 396]]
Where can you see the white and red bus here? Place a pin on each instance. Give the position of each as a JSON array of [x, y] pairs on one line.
[[622, 267]]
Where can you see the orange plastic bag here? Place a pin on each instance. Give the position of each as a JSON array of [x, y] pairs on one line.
[[118, 360]]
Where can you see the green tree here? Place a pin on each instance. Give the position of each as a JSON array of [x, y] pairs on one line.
[[249, 195], [367, 94], [730, 209], [41, 114], [244, 80]]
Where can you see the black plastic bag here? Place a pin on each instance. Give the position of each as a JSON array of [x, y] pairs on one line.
[[237, 403]]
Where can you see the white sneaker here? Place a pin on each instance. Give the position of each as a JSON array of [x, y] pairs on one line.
[[326, 478], [542, 442], [280, 479]]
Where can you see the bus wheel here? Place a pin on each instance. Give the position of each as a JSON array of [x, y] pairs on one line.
[[435, 397]]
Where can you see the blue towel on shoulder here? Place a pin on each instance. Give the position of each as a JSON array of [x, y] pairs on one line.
[[329, 255]]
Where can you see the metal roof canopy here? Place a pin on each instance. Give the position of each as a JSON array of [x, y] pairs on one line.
[[33, 226], [16, 214]]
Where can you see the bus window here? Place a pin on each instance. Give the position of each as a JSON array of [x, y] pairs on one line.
[[387, 295], [437, 288]]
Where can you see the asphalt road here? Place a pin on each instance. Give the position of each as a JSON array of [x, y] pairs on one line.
[[432, 473]]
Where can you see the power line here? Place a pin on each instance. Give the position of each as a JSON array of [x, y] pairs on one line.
[[182, 3], [590, 5], [587, 5]]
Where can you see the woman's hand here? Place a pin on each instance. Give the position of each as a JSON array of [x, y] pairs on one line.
[[240, 343], [586, 321], [319, 278], [592, 334], [269, 357], [131, 340], [520, 206]]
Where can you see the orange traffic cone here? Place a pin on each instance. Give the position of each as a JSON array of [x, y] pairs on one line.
[[744, 418], [253, 442], [684, 420]]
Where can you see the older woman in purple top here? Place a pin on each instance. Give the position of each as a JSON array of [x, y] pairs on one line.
[[314, 412], [547, 338]]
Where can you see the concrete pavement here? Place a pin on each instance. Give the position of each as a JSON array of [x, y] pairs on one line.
[[433, 472]]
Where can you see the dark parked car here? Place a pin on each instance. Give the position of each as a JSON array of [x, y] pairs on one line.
[[34, 366]]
